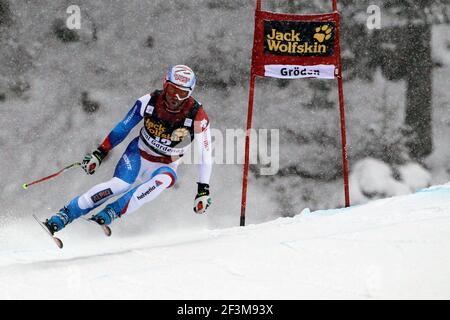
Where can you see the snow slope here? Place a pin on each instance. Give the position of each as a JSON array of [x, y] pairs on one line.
[[396, 248]]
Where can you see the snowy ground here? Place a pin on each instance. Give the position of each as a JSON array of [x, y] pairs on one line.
[[396, 248]]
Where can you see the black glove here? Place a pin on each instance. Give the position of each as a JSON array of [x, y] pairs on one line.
[[92, 161], [202, 199]]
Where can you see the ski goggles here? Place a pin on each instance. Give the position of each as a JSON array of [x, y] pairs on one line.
[[176, 91]]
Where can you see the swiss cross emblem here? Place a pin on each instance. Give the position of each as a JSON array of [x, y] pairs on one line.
[[204, 123]]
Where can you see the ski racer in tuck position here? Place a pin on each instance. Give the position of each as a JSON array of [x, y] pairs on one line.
[[172, 120]]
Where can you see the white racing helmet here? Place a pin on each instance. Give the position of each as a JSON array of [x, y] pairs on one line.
[[182, 77]]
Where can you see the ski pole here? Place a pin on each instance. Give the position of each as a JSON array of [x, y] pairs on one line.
[[73, 165]]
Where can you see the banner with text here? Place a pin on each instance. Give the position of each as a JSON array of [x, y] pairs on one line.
[[298, 72], [296, 46]]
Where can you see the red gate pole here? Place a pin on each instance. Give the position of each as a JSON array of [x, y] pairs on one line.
[[342, 112], [247, 134], [344, 139], [247, 147]]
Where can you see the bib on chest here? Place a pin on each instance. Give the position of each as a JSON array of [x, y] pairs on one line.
[[166, 133]]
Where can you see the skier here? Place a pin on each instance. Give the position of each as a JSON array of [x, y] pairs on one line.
[[172, 120]]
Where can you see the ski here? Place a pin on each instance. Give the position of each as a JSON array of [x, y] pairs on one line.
[[106, 230], [57, 241]]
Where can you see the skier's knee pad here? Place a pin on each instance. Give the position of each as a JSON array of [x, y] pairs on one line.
[[119, 186], [168, 171]]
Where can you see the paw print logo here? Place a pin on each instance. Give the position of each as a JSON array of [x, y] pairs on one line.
[[323, 33]]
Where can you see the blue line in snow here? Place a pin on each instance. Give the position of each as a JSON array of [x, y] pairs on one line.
[[440, 190]]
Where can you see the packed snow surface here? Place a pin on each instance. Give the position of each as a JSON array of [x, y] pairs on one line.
[[395, 248]]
